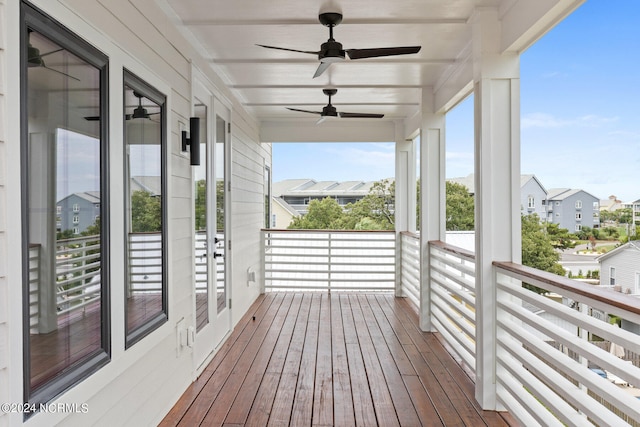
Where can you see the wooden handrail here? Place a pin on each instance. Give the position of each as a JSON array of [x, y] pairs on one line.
[[455, 250], [614, 299]]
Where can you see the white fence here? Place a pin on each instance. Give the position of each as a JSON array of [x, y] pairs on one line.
[[329, 260]]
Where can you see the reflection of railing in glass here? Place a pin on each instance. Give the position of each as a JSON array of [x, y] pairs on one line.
[[201, 263], [77, 277], [145, 263]]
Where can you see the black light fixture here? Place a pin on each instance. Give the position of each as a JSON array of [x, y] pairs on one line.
[[194, 141]]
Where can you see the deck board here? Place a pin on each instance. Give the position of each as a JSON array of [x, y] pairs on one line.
[[340, 359]]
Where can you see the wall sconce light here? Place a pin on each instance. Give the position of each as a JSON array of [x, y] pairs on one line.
[[194, 141]]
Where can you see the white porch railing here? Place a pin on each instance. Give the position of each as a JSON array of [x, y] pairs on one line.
[[329, 260], [453, 298], [77, 284], [410, 266], [546, 348]]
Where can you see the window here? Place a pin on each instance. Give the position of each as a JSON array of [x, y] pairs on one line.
[[58, 209], [578, 204], [612, 276], [596, 205], [76, 219], [578, 216], [64, 80], [578, 227], [531, 202], [76, 208], [145, 204]]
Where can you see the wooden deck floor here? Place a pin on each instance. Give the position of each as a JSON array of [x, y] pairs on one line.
[[314, 359]]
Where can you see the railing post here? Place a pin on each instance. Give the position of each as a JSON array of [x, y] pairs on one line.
[[432, 195], [329, 266]]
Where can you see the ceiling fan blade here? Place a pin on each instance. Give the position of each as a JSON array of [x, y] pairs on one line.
[[304, 111], [321, 69], [92, 118], [60, 72], [289, 50], [321, 119], [382, 51], [360, 115]]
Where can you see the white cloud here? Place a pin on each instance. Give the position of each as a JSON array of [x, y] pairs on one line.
[[544, 120]]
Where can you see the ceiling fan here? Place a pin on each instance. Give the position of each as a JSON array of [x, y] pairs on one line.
[[331, 51], [330, 111], [138, 113], [34, 58]]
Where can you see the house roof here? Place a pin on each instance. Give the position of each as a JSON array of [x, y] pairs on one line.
[[90, 196], [312, 188], [150, 184], [468, 181], [286, 206], [563, 193], [634, 244]]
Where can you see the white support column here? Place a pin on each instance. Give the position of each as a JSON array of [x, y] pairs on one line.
[[432, 195], [405, 197], [497, 184]]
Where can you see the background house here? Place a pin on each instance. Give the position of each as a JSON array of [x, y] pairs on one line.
[[573, 209], [620, 269], [78, 211], [533, 195], [298, 193], [635, 212], [282, 213]]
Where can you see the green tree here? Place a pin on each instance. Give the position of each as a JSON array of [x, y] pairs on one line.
[[220, 205], [325, 214], [460, 207], [560, 237], [201, 205], [146, 212], [538, 250], [375, 211]]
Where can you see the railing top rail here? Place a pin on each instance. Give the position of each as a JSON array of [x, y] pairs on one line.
[[78, 239], [410, 234], [614, 299], [287, 230], [455, 250]]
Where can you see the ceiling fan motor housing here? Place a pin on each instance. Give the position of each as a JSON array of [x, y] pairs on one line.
[[329, 110], [331, 51]]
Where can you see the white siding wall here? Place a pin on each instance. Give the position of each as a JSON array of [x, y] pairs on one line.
[[247, 209], [141, 384], [626, 263], [4, 303]]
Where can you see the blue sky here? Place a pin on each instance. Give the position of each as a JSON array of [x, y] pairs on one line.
[[580, 114]]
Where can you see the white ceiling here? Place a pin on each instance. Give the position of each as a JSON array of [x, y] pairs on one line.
[[266, 81]]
